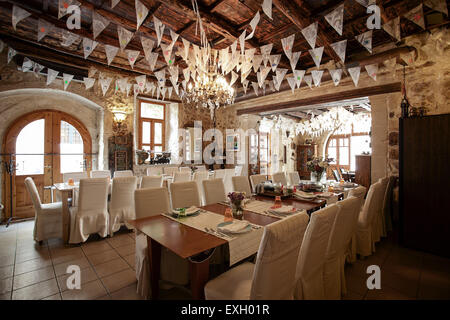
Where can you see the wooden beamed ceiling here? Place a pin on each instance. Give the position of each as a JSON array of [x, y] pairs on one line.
[[224, 21]]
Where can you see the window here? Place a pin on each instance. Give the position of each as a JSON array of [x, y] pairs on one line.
[[71, 148], [152, 126], [30, 149]]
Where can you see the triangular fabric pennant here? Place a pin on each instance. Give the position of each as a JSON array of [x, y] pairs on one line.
[[294, 59], [416, 16], [174, 36], [67, 78], [280, 74], [438, 5], [37, 68], [169, 92], [308, 80], [372, 70], [63, 5], [132, 56], [141, 13], [163, 92], [186, 74], [104, 84], [366, 40], [152, 61], [11, 54], [249, 54], [267, 8], [336, 76], [147, 45], [274, 61], [245, 86], [159, 28], [265, 52], [256, 63], [242, 42], [135, 90], [141, 82], [234, 77], [111, 53], [173, 75], [129, 86], [18, 14], [316, 54], [263, 75], [340, 48], [88, 46], [89, 82], [287, 44], [68, 38], [184, 83], [167, 53], [310, 34], [355, 73], [114, 3], [336, 19], [253, 23], [366, 3], [409, 58], [317, 77], [124, 37], [27, 65], [292, 83], [51, 76], [255, 87], [44, 28], [91, 72], [298, 76], [161, 77], [186, 45], [99, 23], [393, 28]]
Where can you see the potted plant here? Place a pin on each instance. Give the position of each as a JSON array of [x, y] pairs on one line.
[[236, 199], [318, 168]]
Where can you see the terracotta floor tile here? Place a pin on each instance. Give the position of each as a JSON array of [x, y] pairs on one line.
[[6, 285], [119, 280], [54, 297], [61, 268], [434, 285], [356, 284], [5, 296], [127, 293], [131, 260], [29, 278], [126, 249], [87, 275], [62, 258], [111, 267], [36, 291], [120, 240], [88, 291], [96, 247], [32, 254], [386, 293], [102, 257], [7, 260], [31, 265], [6, 272], [406, 283]]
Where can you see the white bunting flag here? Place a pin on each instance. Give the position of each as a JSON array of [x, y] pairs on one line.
[[316, 54], [280, 74], [11, 54], [256, 63], [263, 75], [27, 65], [242, 42], [255, 87], [99, 23], [152, 61], [169, 92], [274, 61], [253, 23], [44, 28], [336, 19], [265, 52], [63, 5], [68, 38], [159, 28], [310, 34], [298, 76], [125, 37], [51, 76], [308, 80], [141, 82], [336, 76], [173, 71], [136, 90], [372, 71], [366, 40], [67, 78], [287, 44], [114, 3], [267, 8], [438, 5], [291, 81], [88, 46], [147, 45], [161, 77], [340, 48], [366, 3], [355, 73], [111, 53], [186, 74], [409, 58], [317, 77], [18, 14], [129, 86], [167, 53], [163, 91], [174, 36], [132, 56], [186, 45], [91, 72], [89, 82], [141, 13], [37, 68], [234, 77], [416, 16], [393, 28], [105, 83], [245, 86], [294, 59]]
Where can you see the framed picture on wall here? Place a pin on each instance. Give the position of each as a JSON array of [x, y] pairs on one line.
[[230, 143]]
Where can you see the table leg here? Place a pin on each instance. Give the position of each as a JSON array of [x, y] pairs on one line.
[[154, 254], [199, 276], [65, 215]]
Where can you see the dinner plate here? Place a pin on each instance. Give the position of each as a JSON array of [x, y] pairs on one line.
[[188, 213], [248, 228]]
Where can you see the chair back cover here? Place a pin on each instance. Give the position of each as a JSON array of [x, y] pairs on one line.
[[76, 176], [123, 173], [238, 170], [198, 177], [372, 205], [311, 259], [257, 179], [154, 171], [214, 191], [93, 195], [101, 174], [276, 262], [279, 177], [184, 194], [34, 194], [170, 170], [229, 173], [151, 182], [219, 174], [151, 201], [294, 178], [185, 169], [358, 192], [241, 184], [182, 176], [121, 207]]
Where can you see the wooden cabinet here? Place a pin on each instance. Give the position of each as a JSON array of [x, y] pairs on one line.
[[424, 173], [305, 153], [363, 170]]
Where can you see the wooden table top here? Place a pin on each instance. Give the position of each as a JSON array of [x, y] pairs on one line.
[[296, 203], [66, 187]]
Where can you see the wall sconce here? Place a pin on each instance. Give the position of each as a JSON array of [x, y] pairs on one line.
[[120, 127], [119, 116]]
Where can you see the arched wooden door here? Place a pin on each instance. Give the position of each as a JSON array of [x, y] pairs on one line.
[[43, 145]]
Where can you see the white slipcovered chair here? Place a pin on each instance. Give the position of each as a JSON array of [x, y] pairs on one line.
[[184, 194], [76, 177], [214, 191], [272, 276], [229, 174], [154, 171], [279, 177], [182, 176], [238, 170], [343, 229], [311, 259], [257, 179], [48, 217], [241, 184], [365, 241], [185, 169], [220, 173], [150, 202], [170, 170], [123, 173], [100, 174], [121, 207], [151, 182], [359, 193], [381, 219], [387, 209], [91, 214], [199, 177], [294, 178]]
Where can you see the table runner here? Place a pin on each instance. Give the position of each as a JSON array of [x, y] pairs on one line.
[[241, 246], [262, 207]]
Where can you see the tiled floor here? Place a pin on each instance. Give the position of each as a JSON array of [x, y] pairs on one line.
[[30, 271]]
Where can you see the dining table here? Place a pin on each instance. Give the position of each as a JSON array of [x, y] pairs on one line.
[[66, 191]]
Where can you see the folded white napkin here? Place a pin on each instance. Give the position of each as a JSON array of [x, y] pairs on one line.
[[284, 210], [305, 195], [189, 210], [235, 226]]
